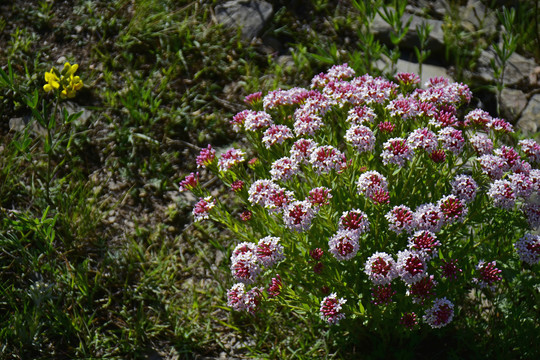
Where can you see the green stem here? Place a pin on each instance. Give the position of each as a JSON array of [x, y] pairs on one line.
[[50, 152]]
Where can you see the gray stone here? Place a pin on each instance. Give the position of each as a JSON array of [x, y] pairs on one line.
[[435, 41], [529, 122], [17, 124], [518, 71], [513, 102], [21, 123], [438, 7], [475, 17], [286, 62], [249, 15]]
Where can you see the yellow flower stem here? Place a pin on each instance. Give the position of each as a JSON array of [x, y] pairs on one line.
[[49, 142]]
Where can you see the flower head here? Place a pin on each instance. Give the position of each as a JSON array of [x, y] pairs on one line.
[[71, 87], [409, 320], [331, 308], [190, 182], [488, 274], [428, 217], [450, 269], [319, 196], [532, 213], [423, 289], [360, 115], [202, 209], [442, 119], [522, 184], [382, 294], [230, 158], [237, 185], [354, 220], [478, 118], [503, 194], [464, 187], [344, 245], [386, 127], [251, 120], [242, 248], [246, 215], [316, 254], [268, 194], [70, 83], [424, 242], [302, 149], [235, 296], [269, 251], [371, 181], [501, 125], [276, 134], [407, 79], [396, 151], [325, 159], [438, 156], [306, 122], [361, 137], [206, 157], [440, 314], [284, 169], [253, 98], [532, 149], [380, 268], [453, 209], [423, 139], [275, 286], [280, 97], [481, 143], [380, 196], [245, 267], [411, 266], [451, 140], [400, 219], [528, 248], [52, 79], [492, 165], [402, 108], [297, 215]]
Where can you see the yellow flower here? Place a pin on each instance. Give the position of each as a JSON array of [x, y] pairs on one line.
[[75, 83], [53, 82], [69, 69], [70, 83]]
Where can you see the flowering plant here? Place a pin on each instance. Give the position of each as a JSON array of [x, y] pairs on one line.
[[372, 200], [63, 85]]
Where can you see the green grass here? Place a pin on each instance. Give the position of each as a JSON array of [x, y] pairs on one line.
[[98, 254]]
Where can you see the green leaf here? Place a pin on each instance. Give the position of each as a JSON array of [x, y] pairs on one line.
[[361, 307], [72, 117], [32, 101]]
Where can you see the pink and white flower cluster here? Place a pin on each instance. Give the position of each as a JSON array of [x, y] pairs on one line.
[[331, 307], [440, 314], [359, 172], [528, 248], [247, 260]]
